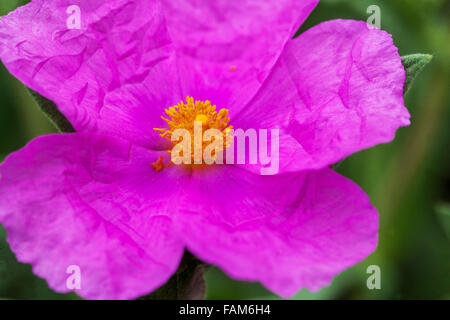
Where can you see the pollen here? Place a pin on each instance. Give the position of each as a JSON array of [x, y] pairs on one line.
[[184, 114]]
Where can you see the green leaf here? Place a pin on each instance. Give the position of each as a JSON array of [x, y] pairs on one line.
[[414, 64], [188, 282], [443, 214], [51, 111]]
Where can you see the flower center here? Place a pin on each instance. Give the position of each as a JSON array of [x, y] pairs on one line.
[[185, 114]]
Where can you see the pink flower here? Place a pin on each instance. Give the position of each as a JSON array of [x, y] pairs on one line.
[[100, 198]]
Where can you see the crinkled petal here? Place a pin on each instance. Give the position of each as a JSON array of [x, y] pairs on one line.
[[287, 231], [336, 89], [121, 43], [96, 203], [226, 48]]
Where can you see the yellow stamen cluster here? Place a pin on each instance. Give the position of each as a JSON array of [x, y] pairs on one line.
[[184, 114]]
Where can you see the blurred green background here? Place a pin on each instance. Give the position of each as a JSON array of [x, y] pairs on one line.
[[408, 180]]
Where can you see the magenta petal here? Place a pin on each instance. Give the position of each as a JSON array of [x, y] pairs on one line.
[[226, 48], [120, 44], [287, 231], [94, 202], [337, 89]]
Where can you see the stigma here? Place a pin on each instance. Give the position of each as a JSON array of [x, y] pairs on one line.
[[188, 116]]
